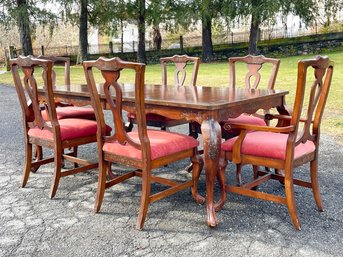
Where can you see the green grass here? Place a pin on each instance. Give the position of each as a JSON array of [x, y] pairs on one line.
[[217, 74]]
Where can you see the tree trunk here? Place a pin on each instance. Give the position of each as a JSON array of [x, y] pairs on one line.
[[121, 36], [254, 30], [207, 47], [157, 38], [23, 22], [83, 33], [141, 56]]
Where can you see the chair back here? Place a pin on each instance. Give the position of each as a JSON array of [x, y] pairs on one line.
[[59, 59], [26, 87], [111, 90], [254, 65], [322, 69], [181, 62]]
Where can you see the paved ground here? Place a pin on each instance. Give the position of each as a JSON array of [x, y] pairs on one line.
[[33, 225]]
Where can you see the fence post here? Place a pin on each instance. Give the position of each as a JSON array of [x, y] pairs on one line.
[[133, 46], [7, 59], [110, 45], [181, 43], [231, 37], [66, 50], [12, 52], [42, 47]]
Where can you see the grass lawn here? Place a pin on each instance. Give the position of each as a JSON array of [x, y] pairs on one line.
[[217, 74]]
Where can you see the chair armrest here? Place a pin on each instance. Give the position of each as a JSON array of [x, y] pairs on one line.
[[282, 117], [259, 128]]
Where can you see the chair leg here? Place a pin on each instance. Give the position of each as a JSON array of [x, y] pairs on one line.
[[238, 174], [315, 184], [75, 155], [145, 199], [290, 199], [255, 170], [57, 174], [222, 183], [62, 160], [28, 162], [38, 155], [101, 185], [197, 164], [129, 126], [192, 130]]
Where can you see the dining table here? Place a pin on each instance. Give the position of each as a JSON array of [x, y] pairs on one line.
[[205, 105]]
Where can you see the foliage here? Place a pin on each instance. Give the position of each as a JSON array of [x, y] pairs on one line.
[[10, 13]]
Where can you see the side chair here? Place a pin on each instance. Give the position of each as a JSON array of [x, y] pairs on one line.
[[55, 134], [283, 148], [65, 110], [180, 74], [251, 81], [143, 149]]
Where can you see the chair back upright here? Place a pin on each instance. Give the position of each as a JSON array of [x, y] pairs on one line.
[[27, 90], [254, 65], [322, 69], [59, 59], [180, 61], [111, 90]]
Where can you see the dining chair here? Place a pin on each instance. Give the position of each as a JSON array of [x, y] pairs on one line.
[[55, 134], [65, 110], [143, 149], [252, 81], [180, 74], [283, 148]]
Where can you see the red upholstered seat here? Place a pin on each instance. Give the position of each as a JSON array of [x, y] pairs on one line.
[[70, 129], [268, 144], [150, 117], [243, 119], [72, 112], [162, 143], [247, 119]]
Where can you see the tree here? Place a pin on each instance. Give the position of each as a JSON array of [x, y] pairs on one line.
[[141, 55], [26, 15], [331, 8], [207, 14], [135, 11], [264, 10], [205, 11], [79, 18], [83, 32], [85, 12]]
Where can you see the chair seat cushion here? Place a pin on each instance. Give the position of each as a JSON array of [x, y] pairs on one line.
[[162, 143], [247, 119], [70, 129], [71, 112], [269, 145], [243, 119], [150, 117]]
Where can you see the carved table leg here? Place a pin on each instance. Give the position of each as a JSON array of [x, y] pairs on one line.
[[211, 133]]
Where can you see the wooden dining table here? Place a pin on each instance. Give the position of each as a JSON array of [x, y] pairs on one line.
[[205, 105]]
